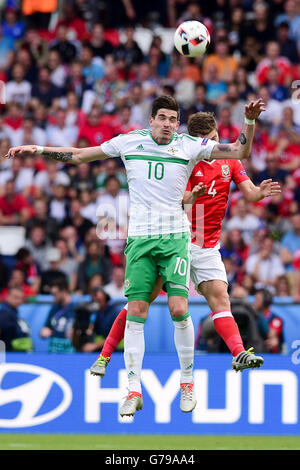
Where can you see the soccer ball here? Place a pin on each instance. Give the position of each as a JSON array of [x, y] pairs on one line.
[[192, 38]]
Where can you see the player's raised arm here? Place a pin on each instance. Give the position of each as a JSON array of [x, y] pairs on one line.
[[242, 147], [71, 155], [254, 193]]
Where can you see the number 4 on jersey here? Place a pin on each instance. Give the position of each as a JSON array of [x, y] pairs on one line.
[[212, 191]]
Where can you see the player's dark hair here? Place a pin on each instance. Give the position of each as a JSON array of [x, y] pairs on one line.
[[201, 123], [166, 102]]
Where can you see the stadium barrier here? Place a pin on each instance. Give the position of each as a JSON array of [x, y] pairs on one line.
[[159, 328], [52, 393]]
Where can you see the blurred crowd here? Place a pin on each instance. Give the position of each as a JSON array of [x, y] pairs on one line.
[[77, 73]]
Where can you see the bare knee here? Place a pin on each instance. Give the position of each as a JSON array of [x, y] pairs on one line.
[[138, 308], [178, 306]]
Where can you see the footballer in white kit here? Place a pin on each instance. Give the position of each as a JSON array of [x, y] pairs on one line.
[[159, 230]]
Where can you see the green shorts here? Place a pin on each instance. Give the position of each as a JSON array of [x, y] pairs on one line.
[[147, 257]]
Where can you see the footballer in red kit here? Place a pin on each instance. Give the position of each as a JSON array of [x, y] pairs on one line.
[[217, 176]]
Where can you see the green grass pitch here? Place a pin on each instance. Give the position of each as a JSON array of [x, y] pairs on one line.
[[145, 442]]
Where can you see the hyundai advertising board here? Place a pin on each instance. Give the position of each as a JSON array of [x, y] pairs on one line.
[[43, 393]]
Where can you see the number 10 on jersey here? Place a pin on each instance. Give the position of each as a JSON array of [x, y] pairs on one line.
[[156, 171]]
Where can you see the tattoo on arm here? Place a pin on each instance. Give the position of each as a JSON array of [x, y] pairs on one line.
[[64, 157], [223, 147], [242, 138]]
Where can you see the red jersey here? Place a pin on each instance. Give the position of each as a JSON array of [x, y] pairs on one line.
[[14, 123], [228, 133], [281, 63], [15, 205], [208, 211], [77, 26], [28, 291], [96, 134]]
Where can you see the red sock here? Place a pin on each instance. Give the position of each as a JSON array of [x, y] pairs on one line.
[[115, 335], [227, 328]]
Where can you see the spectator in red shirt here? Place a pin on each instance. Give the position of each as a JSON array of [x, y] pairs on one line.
[[274, 59], [17, 279], [285, 140], [14, 208], [26, 263], [95, 130], [228, 132], [14, 116], [123, 122], [72, 21]]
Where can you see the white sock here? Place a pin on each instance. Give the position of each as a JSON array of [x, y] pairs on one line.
[[134, 349], [184, 337]]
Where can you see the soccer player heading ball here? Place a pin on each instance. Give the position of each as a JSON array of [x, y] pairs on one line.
[[158, 163]]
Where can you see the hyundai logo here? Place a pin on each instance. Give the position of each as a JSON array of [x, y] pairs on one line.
[[32, 395]]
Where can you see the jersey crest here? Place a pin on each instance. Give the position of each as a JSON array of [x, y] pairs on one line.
[[173, 150], [225, 170]]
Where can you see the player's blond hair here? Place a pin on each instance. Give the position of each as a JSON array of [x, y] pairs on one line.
[[201, 123]]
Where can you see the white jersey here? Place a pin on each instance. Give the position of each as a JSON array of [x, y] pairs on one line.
[[157, 177]]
